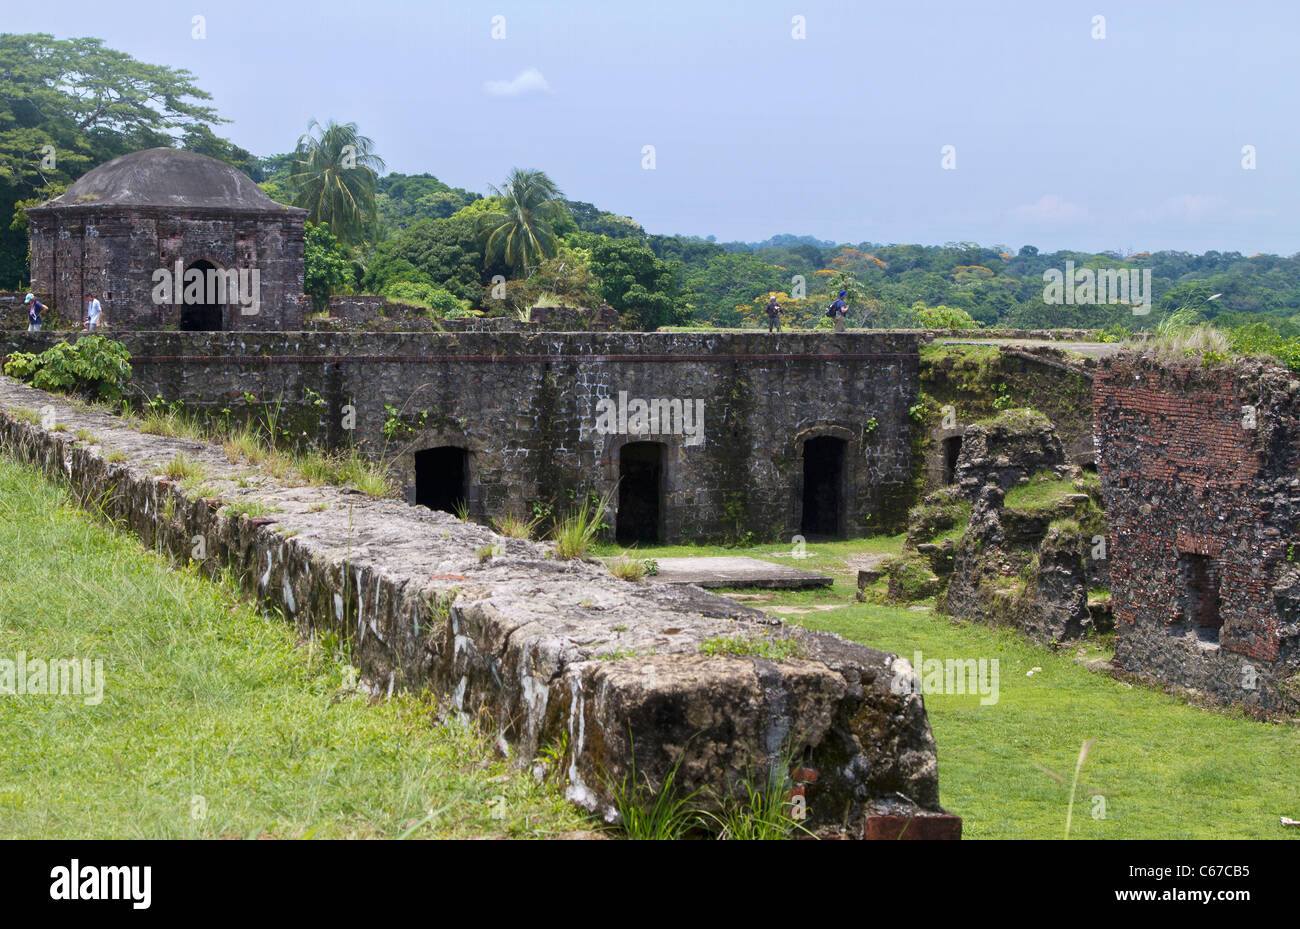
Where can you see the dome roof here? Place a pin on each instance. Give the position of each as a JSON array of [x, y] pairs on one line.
[[171, 178]]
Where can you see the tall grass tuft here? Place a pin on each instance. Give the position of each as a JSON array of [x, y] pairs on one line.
[[627, 568], [574, 533], [182, 467], [648, 814], [1180, 334], [766, 812], [513, 527]]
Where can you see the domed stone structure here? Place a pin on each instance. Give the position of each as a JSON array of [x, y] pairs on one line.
[[168, 239]]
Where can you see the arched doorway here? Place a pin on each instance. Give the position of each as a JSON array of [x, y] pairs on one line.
[[640, 492], [823, 483], [204, 314], [442, 478]]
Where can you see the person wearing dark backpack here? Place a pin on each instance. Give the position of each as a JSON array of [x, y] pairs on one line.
[[34, 310], [838, 310], [773, 314]]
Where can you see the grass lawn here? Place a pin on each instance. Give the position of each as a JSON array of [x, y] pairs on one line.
[[1163, 769], [212, 724]]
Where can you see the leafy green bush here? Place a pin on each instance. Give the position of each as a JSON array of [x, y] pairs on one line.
[[442, 302], [92, 367], [943, 317], [326, 265]]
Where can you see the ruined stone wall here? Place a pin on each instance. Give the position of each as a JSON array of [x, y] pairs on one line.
[[114, 252], [1199, 474], [369, 313], [525, 407], [544, 653], [972, 379]]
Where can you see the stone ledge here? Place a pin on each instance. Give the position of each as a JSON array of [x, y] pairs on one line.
[[541, 651]]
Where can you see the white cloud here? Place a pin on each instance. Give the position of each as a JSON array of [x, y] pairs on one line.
[[1050, 208], [528, 81], [1182, 208]]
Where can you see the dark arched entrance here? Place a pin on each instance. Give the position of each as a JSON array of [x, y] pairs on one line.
[[640, 492], [823, 482], [203, 314], [951, 452], [442, 478]]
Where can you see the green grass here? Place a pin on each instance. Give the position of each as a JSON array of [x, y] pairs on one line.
[[183, 468], [1043, 491], [1165, 768], [210, 708], [752, 646], [820, 557], [575, 532], [251, 508]]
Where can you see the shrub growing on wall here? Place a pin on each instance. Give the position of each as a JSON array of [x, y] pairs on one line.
[[442, 302], [326, 269], [92, 367]]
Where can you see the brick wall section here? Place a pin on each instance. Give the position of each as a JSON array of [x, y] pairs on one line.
[[114, 251], [1197, 461], [524, 405]]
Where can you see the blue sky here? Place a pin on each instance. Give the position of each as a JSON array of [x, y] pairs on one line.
[[1132, 142]]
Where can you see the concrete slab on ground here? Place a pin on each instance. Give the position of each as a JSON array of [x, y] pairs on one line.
[[736, 571]]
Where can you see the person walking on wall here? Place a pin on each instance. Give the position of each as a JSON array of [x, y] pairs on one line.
[[838, 310], [35, 309], [773, 314], [94, 312]]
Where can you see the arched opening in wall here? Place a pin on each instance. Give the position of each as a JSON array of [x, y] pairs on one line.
[[442, 478], [640, 492], [1090, 467], [203, 314], [951, 452], [823, 486], [1200, 580]]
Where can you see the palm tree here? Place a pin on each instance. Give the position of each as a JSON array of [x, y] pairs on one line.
[[333, 176], [522, 236]]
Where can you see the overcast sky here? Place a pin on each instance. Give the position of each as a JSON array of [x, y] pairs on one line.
[[1130, 142]]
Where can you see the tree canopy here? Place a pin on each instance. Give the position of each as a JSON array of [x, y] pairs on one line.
[[71, 104], [334, 175]]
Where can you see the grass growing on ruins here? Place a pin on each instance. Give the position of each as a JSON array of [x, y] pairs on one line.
[[1162, 768], [249, 443], [212, 723], [183, 468], [513, 527], [626, 567], [1043, 491], [575, 533], [752, 646]]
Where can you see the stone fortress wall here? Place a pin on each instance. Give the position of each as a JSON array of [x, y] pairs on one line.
[[780, 414]]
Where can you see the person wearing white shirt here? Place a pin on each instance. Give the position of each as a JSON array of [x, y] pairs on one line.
[[93, 313]]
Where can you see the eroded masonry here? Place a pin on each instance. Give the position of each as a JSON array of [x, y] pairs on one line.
[[1200, 470]]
